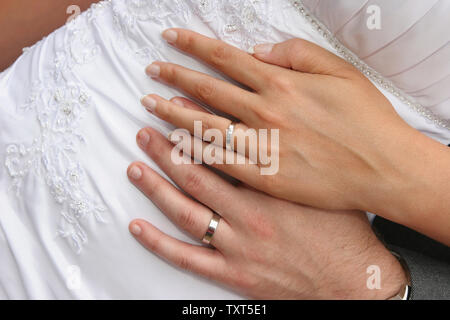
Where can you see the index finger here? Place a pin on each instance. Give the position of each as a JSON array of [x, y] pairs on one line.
[[220, 55]]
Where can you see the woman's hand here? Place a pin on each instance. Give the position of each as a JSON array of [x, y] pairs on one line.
[[265, 247], [341, 143]]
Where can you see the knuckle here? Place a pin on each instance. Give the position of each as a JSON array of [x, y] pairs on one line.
[[153, 153], [349, 71], [205, 89], [187, 219], [256, 222], [150, 152], [282, 82], [243, 280], [261, 228], [257, 256], [184, 262], [166, 111], [269, 117], [170, 73], [206, 122], [154, 245], [295, 46], [187, 42], [250, 282], [194, 183], [153, 189], [220, 55]]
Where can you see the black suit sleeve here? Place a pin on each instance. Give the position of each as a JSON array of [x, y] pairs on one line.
[[427, 260], [430, 278]]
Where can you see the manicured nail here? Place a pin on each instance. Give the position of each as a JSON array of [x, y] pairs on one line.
[[135, 229], [149, 103], [263, 48], [153, 70], [178, 102], [143, 139], [170, 35], [135, 173]]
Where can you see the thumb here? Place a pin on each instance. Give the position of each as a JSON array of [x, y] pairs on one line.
[[302, 55]]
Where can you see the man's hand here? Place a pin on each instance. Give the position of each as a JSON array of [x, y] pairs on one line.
[[265, 248]]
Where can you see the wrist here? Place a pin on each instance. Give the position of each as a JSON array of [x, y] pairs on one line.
[[385, 276], [405, 293], [412, 188]]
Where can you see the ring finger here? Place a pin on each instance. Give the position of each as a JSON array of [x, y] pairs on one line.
[[186, 213], [197, 122]]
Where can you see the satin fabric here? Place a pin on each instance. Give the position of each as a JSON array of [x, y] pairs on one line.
[[411, 48]]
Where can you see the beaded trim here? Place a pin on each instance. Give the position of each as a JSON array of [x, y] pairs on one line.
[[369, 72]]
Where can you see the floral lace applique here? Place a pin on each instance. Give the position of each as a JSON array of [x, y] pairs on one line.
[[243, 23], [156, 10], [127, 14], [206, 9], [59, 103], [247, 22]]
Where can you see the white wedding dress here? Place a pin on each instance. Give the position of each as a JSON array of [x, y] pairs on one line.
[[70, 110]]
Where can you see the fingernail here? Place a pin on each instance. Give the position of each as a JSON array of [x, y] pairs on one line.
[[263, 48], [170, 35], [149, 103], [153, 70], [143, 139], [178, 102], [135, 173], [135, 229]]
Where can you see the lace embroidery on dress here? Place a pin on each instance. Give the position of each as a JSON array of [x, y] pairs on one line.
[[246, 22], [128, 13], [59, 103], [369, 72]]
